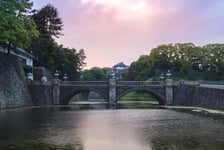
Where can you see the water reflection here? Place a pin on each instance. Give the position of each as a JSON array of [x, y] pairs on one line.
[[69, 128], [103, 131]]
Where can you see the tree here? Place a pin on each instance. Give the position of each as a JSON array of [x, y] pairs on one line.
[[96, 74], [48, 22], [140, 70], [50, 54], [183, 58], [187, 59], [49, 25], [68, 61], [160, 57], [213, 61], [16, 27]]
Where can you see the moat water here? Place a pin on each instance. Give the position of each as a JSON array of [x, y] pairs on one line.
[[70, 128]]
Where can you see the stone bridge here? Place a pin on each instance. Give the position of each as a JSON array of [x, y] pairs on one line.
[[180, 93], [112, 90]]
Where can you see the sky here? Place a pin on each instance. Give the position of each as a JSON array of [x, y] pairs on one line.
[[113, 31]]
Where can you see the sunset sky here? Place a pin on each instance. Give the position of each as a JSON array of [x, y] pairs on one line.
[[113, 31]]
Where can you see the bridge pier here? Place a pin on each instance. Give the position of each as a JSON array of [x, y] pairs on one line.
[[112, 92], [56, 92], [169, 92]]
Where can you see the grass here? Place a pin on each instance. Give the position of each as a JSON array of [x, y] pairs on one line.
[[138, 96], [138, 100], [137, 105]]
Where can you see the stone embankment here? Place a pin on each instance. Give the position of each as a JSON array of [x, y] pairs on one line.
[[200, 96], [13, 89], [41, 94]]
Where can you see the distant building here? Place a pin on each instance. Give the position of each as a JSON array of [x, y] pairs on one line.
[[120, 70], [25, 57]]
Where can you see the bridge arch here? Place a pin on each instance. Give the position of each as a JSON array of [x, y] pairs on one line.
[[67, 96], [160, 97]]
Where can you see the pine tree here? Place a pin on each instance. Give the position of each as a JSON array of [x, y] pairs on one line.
[[48, 22]]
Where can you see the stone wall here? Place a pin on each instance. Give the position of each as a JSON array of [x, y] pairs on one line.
[[13, 88], [41, 94], [183, 95], [209, 98], [186, 95]]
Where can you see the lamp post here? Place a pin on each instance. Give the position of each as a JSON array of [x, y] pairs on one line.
[[168, 74], [81, 77], [195, 66], [161, 77], [56, 74], [112, 75], [65, 77]]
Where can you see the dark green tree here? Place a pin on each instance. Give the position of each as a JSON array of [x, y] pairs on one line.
[[96, 74], [48, 22], [49, 25], [213, 61], [184, 59], [140, 70], [51, 55], [106, 72], [68, 61], [160, 57]]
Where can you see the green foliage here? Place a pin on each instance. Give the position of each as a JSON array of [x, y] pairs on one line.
[[185, 59], [96, 74], [177, 57], [67, 61], [214, 58], [160, 56], [138, 105], [140, 70], [138, 96], [15, 24], [45, 46]]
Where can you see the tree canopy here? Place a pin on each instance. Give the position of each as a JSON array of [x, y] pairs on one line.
[[49, 53], [140, 69], [96, 74], [16, 26], [48, 22], [183, 59]]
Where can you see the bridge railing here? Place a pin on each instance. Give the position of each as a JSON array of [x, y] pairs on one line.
[[187, 82], [84, 83], [140, 83]]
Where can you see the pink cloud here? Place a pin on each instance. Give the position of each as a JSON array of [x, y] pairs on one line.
[[113, 32]]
